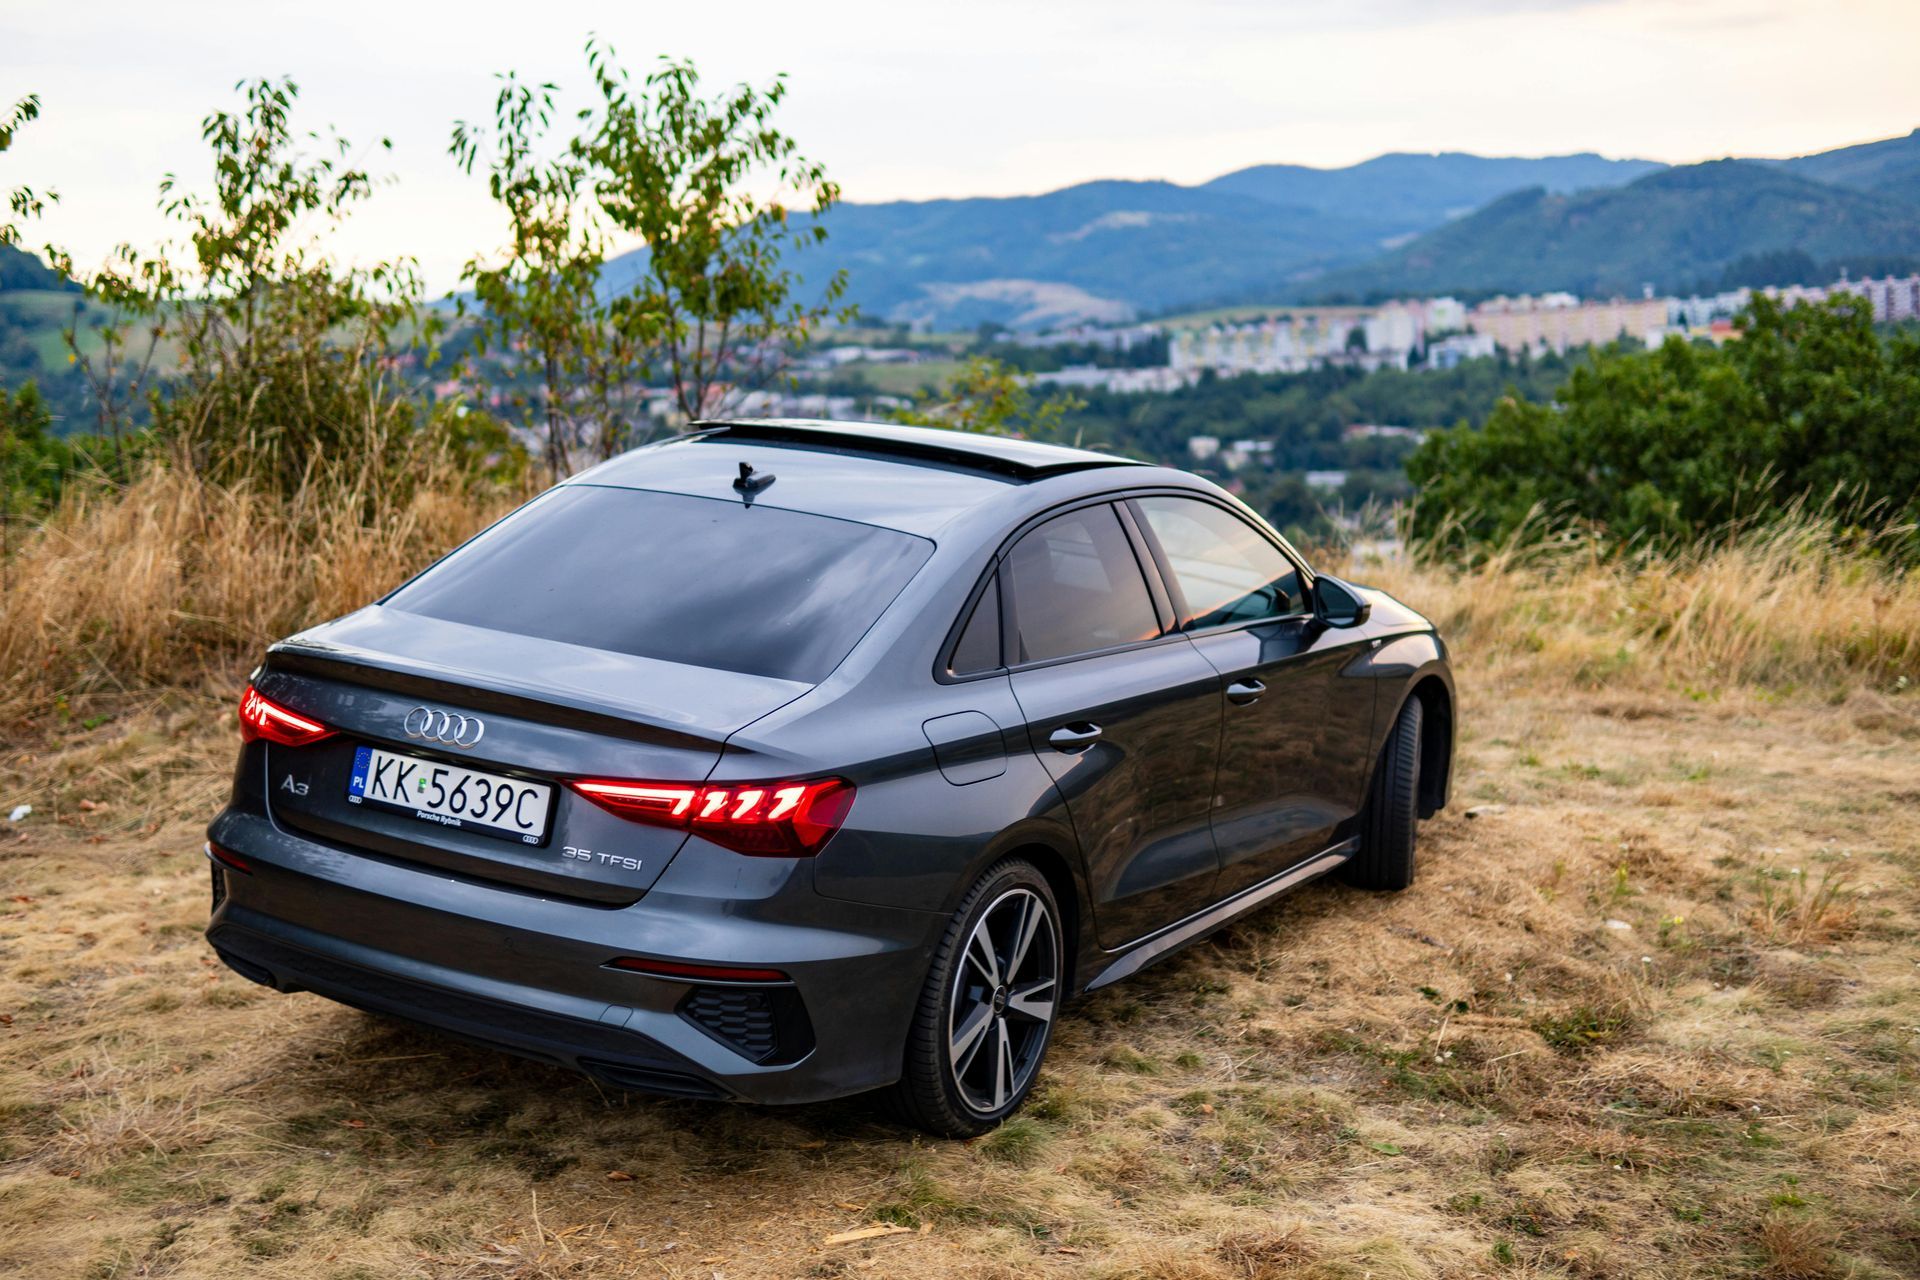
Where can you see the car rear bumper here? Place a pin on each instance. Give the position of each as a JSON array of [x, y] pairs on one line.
[[530, 974]]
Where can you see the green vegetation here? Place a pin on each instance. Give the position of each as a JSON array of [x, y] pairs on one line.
[[284, 352], [23, 203], [1306, 415], [34, 463], [985, 395], [1809, 408], [709, 302], [244, 354], [714, 294]]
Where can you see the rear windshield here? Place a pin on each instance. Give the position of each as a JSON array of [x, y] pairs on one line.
[[706, 581]]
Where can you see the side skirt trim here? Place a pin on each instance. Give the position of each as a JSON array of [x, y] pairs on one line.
[[1146, 951]]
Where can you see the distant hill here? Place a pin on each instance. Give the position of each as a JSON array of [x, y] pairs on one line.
[[1114, 249], [1110, 249], [22, 270], [1668, 228], [1399, 223], [1890, 168], [1411, 192]]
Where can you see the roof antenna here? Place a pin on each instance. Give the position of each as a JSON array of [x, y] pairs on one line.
[[750, 482]]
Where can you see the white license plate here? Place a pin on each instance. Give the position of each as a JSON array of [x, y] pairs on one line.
[[451, 796]]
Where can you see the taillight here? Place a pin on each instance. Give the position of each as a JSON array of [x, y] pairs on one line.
[[261, 717], [781, 819], [228, 858]]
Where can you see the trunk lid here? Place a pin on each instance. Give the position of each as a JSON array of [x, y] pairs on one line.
[[549, 711]]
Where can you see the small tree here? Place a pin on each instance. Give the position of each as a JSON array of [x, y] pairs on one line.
[[714, 297], [542, 300], [287, 358]]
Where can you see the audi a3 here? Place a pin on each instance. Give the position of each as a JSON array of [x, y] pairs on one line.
[[782, 761]]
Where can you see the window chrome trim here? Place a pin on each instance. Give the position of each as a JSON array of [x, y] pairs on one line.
[[1117, 497]]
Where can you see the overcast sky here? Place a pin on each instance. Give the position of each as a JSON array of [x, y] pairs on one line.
[[987, 97]]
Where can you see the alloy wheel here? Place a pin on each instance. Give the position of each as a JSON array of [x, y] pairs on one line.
[[1005, 991]]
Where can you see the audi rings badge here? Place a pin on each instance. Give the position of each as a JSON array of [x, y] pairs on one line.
[[449, 728]]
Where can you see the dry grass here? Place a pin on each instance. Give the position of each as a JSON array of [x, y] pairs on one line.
[[1655, 1012], [122, 591], [1789, 605]]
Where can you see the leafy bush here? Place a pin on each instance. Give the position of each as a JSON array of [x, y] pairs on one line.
[[286, 366], [1808, 407]]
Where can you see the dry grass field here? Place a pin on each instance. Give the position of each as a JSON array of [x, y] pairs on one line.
[[1655, 1011]]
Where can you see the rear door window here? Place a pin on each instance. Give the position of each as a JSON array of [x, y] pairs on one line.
[[709, 582], [1077, 587]]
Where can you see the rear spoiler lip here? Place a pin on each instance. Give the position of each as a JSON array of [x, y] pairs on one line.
[[992, 454], [483, 693]]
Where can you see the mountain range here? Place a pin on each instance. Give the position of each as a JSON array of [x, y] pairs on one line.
[[1397, 224]]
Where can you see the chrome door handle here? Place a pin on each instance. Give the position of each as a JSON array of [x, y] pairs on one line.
[[1242, 692], [1074, 738]]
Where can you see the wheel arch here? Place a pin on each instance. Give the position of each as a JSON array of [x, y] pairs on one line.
[[1058, 871], [1436, 740]]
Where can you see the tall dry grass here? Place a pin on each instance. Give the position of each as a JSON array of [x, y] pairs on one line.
[[1797, 602], [175, 579]]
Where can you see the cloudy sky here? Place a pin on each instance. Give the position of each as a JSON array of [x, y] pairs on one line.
[[987, 97]]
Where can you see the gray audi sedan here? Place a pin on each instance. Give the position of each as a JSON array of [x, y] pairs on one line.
[[787, 760]]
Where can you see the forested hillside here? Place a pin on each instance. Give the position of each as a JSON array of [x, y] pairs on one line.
[[1666, 229]]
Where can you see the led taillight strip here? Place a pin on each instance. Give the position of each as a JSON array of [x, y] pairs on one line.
[[262, 717], [777, 819]]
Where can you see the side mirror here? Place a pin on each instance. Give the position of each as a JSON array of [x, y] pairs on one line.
[[1338, 605]]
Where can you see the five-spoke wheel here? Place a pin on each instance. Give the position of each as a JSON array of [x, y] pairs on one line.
[[1003, 1000], [988, 1008]]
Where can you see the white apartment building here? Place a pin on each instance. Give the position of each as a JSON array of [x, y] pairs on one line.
[[1698, 312], [1303, 338], [1449, 351], [1150, 378], [1894, 298], [1558, 321]]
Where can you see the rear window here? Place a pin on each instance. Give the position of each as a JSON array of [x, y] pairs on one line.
[[705, 581]]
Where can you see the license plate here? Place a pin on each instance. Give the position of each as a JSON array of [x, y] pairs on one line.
[[451, 796]]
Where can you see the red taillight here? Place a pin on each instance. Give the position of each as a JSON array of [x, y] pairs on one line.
[[228, 858], [703, 972], [780, 819], [261, 717]]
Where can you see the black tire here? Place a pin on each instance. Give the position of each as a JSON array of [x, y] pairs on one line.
[[1385, 859], [968, 1101]]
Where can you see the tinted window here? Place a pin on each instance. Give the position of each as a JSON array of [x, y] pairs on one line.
[[1077, 588], [707, 581], [1227, 571], [979, 646]]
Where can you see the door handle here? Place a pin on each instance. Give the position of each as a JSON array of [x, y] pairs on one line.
[[1242, 692], [1074, 738]]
